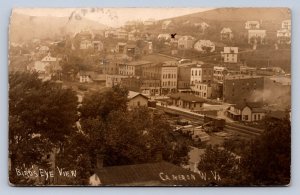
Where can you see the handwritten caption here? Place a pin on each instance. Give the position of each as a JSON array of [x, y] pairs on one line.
[[47, 174]]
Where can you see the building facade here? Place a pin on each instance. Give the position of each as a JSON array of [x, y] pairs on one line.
[[186, 42], [201, 74], [169, 75], [256, 36], [226, 34], [230, 54], [240, 88]]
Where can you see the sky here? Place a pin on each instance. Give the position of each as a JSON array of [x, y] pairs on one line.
[[113, 17]]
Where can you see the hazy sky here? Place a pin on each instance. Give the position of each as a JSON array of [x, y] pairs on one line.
[[111, 16]]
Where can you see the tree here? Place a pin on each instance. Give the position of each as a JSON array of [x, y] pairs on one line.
[[100, 104], [41, 117], [267, 160], [264, 160], [125, 136], [221, 162]]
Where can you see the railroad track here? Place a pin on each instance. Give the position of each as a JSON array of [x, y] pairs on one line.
[[237, 129], [242, 130]]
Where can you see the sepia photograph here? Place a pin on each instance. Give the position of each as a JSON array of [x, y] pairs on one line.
[[149, 97]]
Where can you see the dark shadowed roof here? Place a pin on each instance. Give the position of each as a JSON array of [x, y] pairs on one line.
[[150, 174], [133, 94], [187, 97], [254, 106]]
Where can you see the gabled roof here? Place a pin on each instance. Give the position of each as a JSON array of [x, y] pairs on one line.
[[254, 106], [133, 94], [150, 174], [226, 30], [187, 97]]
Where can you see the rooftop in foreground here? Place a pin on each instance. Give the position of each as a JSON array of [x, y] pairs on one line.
[[149, 174]]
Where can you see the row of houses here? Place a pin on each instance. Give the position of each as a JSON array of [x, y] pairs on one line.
[[255, 34]]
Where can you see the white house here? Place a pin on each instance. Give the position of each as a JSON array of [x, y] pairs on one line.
[[230, 54], [85, 44], [252, 25], [86, 76], [256, 36], [286, 24], [284, 36], [186, 42], [247, 111], [204, 46], [136, 99], [44, 50], [226, 34], [164, 36]]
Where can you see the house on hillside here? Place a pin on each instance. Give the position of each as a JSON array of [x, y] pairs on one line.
[[164, 36], [251, 25], [43, 50], [286, 24], [203, 26], [284, 36], [136, 99], [186, 42], [230, 54], [204, 46], [48, 68], [226, 34], [256, 36], [166, 24], [97, 45], [85, 44], [246, 111]]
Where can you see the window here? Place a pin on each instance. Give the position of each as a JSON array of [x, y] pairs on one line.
[[255, 117], [258, 117], [138, 103], [245, 117]]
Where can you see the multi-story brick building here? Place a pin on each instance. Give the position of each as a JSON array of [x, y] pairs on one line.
[[133, 68], [240, 88], [169, 76], [202, 73]]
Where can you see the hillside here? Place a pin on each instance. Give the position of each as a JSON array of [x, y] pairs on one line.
[[238, 14], [234, 18], [24, 27]]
